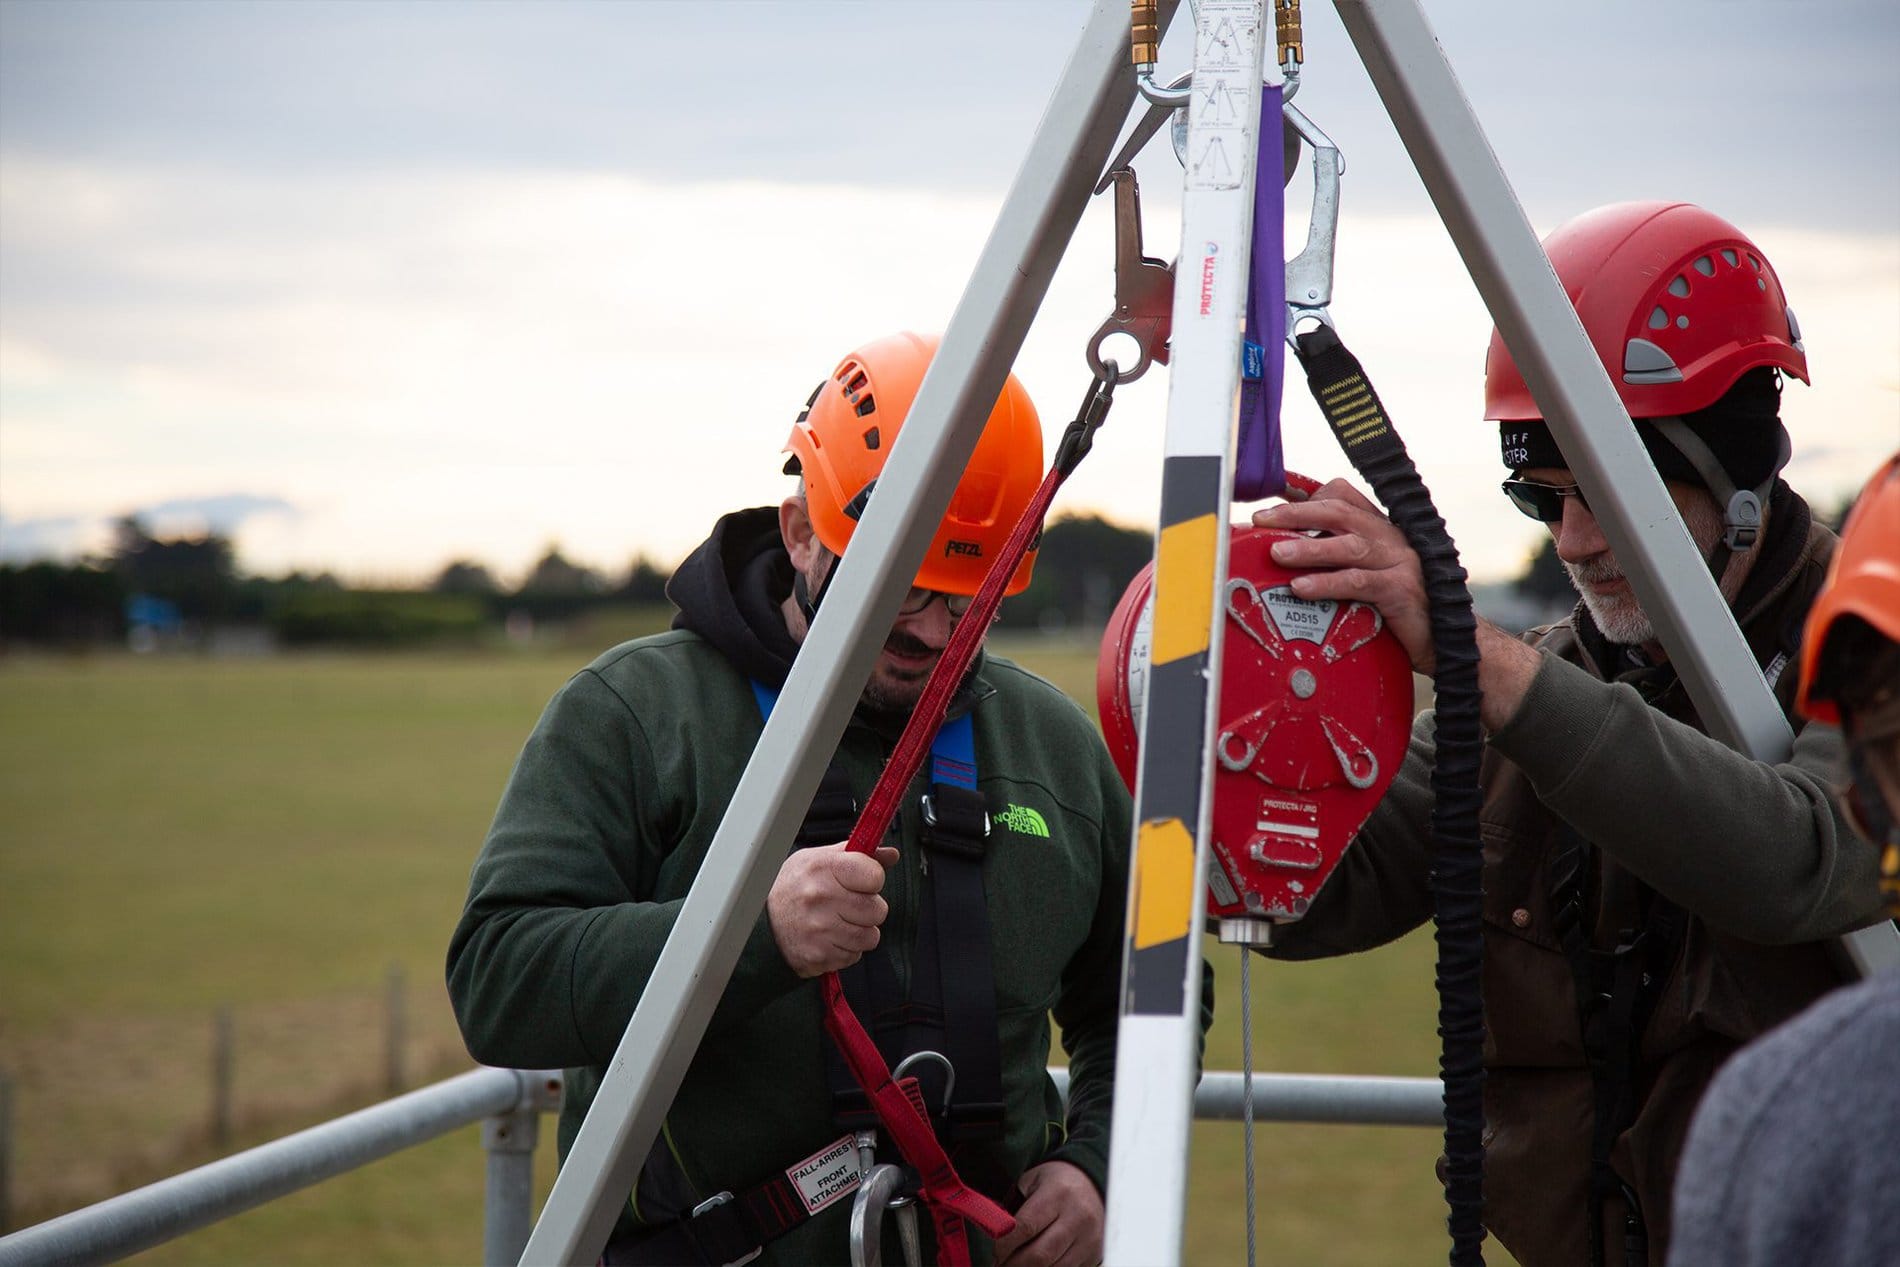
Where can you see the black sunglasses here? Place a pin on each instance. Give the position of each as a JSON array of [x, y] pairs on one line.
[[1542, 502]]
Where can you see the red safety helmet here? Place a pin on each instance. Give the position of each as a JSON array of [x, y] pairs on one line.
[[840, 441], [1863, 581], [1677, 302]]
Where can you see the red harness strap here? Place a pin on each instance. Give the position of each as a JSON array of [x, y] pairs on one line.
[[951, 1201]]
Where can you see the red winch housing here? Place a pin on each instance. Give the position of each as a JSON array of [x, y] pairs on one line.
[[1315, 713]]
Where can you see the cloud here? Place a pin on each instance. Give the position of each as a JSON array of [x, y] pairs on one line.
[[474, 363], [468, 364], [66, 538], [62, 538], [1706, 99], [224, 514]]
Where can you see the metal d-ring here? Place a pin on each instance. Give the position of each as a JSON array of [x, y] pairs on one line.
[[949, 1070]]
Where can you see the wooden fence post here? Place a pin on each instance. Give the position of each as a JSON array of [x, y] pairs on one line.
[[223, 1075], [6, 1152], [397, 1030]]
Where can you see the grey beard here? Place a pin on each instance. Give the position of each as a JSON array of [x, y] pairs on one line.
[[1622, 619], [1618, 619]]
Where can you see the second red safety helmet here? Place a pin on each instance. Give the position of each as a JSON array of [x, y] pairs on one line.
[[1678, 303]]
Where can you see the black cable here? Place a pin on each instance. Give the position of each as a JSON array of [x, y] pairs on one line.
[[1359, 421]]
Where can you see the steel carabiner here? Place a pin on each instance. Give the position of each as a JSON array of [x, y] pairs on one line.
[[1309, 275], [867, 1214], [1144, 289]]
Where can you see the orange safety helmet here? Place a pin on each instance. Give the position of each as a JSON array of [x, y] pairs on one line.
[[1676, 301], [1863, 581], [840, 441]]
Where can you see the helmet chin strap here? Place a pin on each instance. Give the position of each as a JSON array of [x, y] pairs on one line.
[[803, 596], [1741, 507]]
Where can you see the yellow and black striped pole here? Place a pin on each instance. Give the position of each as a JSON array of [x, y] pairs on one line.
[[1157, 1059]]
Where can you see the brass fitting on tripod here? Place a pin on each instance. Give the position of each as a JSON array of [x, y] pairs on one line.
[[1144, 33], [1287, 29]]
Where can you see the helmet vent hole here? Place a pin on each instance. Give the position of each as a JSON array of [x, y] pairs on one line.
[[856, 382], [871, 439], [1761, 283], [866, 407], [1730, 258], [1754, 263], [1682, 323], [1705, 266], [1680, 287], [1658, 318]]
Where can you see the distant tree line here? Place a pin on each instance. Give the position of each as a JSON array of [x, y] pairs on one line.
[[176, 591], [153, 591], [159, 591]]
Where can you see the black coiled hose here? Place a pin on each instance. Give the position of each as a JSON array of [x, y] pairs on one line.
[[1353, 410]]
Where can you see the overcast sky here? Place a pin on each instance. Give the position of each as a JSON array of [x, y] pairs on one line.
[[377, 286]]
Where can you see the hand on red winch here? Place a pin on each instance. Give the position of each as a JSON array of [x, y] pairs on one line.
[[1314, 716]]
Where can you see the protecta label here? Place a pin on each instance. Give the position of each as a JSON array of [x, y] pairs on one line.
[[1297, 617], [828, 1175]]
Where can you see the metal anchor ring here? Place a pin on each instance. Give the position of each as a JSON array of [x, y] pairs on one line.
[[1236, 764]]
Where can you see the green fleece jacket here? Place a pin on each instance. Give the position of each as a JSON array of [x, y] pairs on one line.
[[603, 826]]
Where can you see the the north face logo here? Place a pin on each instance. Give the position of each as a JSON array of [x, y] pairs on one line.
[[1023, 821]]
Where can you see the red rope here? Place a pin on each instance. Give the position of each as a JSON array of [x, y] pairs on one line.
[[951, 1201]]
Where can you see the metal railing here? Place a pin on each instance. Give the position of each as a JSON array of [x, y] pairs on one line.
[[508, 1103]]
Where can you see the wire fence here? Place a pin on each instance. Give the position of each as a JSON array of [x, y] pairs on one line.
[[95, 1105]]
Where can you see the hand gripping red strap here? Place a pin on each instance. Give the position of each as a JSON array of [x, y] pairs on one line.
[[951, 1201]]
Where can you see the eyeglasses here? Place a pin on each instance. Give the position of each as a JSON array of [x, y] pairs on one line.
[[1542, 502], [920, 598], [915, 601]]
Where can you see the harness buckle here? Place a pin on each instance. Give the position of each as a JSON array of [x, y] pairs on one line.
[[713, 1202], [956, 820]]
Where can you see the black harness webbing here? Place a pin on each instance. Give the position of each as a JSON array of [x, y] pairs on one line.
[[954, 947], [730, 1228], [950, 1007], [1616, 992]]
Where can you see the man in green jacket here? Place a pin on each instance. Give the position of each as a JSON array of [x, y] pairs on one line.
[[977, 920], [1652, 898]]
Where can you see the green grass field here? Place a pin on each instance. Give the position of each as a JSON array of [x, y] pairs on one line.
[[273, 835]]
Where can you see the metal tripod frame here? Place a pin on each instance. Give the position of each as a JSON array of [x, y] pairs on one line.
[[1065, 159]]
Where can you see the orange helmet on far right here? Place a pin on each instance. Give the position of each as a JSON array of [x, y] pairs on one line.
[[1863, 581]]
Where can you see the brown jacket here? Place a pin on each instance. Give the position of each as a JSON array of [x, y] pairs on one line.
[[1756, 854]]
